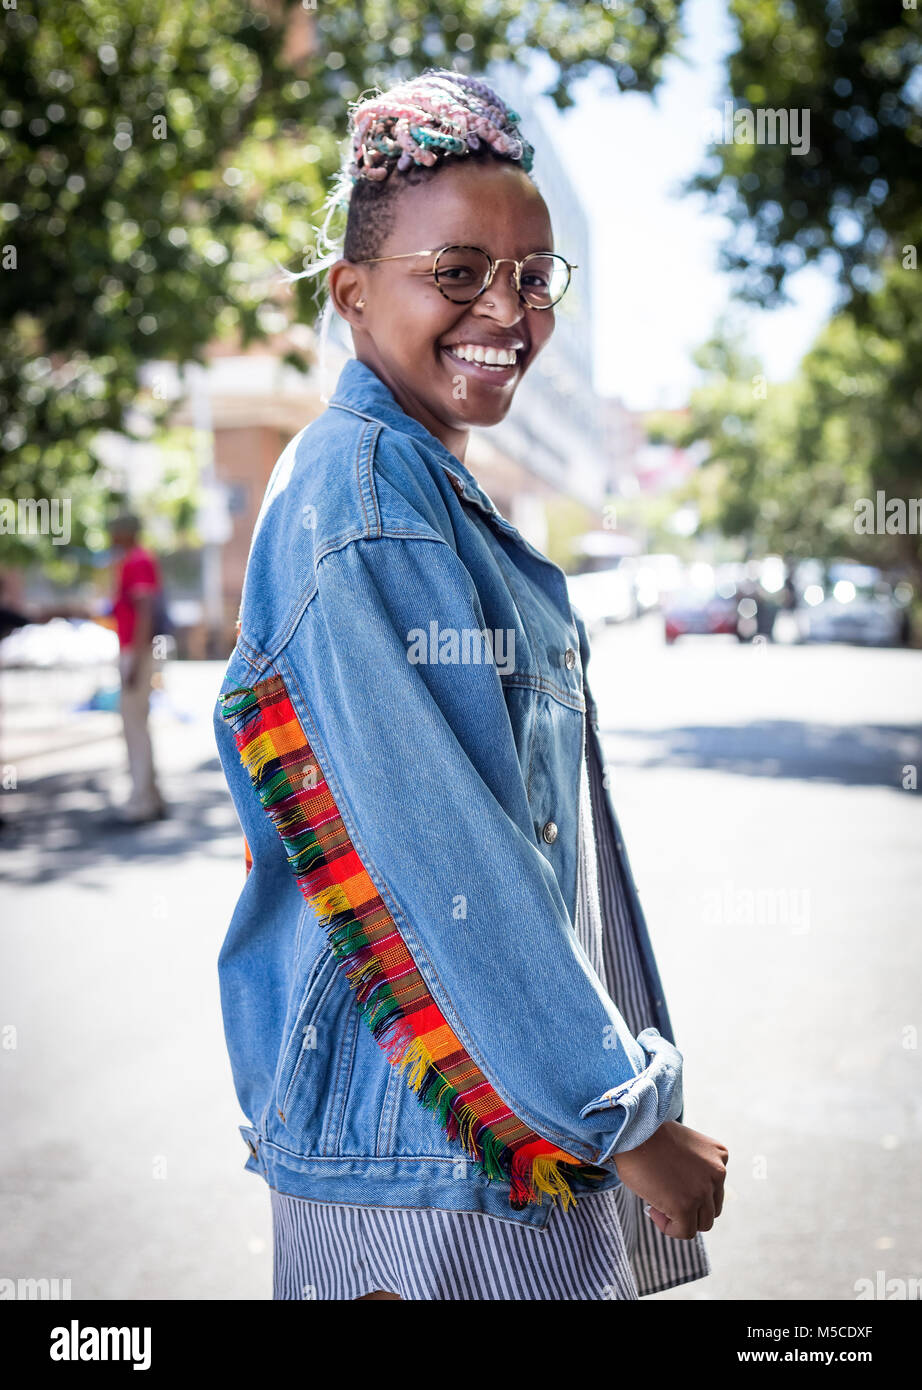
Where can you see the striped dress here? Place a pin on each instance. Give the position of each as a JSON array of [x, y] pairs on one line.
[[604, 1247]]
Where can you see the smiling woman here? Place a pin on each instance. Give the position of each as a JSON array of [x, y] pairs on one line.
[[466, 1028], [475, 304]]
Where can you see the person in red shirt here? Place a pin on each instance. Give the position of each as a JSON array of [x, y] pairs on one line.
[[137, 586]]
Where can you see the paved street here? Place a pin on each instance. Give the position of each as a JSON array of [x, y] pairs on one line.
[[778, 859]]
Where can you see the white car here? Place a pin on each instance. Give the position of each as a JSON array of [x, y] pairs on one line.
[[59, 642], [602, 596], [851, 603], [653, 578]]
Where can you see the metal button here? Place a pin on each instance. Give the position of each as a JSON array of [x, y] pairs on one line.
[[549, 833], [569, 658]]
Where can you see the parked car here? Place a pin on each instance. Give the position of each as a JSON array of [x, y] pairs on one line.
[[700, 612], [849, 603]]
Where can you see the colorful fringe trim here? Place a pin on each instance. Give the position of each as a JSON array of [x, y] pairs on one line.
[[389, 990]]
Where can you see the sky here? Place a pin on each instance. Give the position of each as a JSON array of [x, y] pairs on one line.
[[658, 289]]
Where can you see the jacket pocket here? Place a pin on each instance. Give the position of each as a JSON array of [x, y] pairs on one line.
[[408, 1129], [299, 1099]]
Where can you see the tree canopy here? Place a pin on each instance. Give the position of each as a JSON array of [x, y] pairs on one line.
[[853, 194]]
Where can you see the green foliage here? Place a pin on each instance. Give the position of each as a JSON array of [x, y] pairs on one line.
[[854, 65], [863, 380], [793, 458], [792, 465], [132, 231]]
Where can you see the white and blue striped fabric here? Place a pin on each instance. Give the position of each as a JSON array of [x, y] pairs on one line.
[[604, 1247]]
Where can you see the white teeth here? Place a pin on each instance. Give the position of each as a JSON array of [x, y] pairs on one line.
[[489, 357]]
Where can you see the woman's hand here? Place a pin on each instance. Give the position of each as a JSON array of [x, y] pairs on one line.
[[681, 1174]]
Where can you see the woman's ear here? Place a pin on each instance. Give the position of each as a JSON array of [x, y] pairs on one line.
[[347, 291]]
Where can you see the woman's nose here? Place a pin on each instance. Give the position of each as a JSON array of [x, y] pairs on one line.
[[500, 300]]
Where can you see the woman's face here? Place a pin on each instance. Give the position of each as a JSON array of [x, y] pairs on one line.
[[409, 333]]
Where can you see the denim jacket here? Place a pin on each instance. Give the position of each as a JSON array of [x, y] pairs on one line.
[[410, 1016]]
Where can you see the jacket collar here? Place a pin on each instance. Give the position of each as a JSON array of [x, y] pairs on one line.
[[361, 391]]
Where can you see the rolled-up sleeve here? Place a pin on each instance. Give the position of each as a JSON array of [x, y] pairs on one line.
[[397, 790]]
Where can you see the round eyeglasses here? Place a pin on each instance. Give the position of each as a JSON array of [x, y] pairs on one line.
[[462, 273]]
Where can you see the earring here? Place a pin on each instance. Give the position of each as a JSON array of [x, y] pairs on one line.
[[360, 304]]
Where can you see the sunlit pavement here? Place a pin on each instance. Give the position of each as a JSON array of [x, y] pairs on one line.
[[760, 791], [777, 855]]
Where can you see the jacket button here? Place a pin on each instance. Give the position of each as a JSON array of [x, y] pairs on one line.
[[569, 658], [549, 833]]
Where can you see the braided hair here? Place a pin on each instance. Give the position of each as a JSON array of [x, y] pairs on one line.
[[404, 136], [412, 130], [437, 113]]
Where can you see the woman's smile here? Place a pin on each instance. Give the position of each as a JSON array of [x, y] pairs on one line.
[[497, 364]]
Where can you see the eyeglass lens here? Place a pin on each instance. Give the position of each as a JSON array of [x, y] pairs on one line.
[[461, 272]]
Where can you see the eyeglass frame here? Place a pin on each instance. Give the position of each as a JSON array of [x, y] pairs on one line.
[[494, 266]]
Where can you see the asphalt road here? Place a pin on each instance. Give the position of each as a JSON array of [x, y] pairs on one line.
[[777, 853]]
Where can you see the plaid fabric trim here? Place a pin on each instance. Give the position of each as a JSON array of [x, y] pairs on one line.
[[389, 990]]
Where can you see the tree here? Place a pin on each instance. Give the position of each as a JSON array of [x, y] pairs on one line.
[[158, 159], [794, 459], [854, 192], [863, 380], [753, 484], [793, 465]]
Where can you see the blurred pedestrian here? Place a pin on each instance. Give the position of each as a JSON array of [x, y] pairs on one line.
[[137, 590]]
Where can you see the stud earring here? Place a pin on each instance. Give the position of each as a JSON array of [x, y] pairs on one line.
[[360, 304]]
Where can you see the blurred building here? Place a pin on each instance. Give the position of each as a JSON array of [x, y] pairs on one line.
[[662, 467]]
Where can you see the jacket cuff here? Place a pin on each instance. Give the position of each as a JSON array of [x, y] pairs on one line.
[[647, 1100]]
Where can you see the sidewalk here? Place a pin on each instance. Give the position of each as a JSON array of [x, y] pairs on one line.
[[122, 1169]]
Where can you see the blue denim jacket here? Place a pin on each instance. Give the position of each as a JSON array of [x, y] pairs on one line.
[[410, 1017]]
